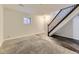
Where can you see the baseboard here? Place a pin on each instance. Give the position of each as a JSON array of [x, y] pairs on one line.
[[1, 43], [24, 35]]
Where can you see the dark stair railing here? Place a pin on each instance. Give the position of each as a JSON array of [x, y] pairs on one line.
[[61, 15]]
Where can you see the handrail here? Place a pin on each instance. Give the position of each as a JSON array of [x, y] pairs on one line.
[[58, 13], [75, 6], [54, 17]]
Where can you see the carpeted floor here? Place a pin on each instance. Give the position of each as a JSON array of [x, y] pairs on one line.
[[35, 44]]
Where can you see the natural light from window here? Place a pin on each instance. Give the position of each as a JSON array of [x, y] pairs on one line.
[[27, 20]]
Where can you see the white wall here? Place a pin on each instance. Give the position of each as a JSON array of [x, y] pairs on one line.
[[1, 24], [71, 29], [76, 27], [13, 24], [66, 30], [46, 22]]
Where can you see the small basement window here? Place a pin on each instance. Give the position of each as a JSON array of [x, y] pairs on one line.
[[27, 20]]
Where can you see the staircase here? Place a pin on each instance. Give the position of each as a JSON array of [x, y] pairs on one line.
[[63, 16]]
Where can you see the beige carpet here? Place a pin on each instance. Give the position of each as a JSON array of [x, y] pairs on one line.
[[36, 44]]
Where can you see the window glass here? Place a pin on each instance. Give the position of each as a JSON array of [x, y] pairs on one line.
[[27, 20]]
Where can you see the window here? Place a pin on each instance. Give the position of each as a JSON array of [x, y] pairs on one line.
[[27, 20]]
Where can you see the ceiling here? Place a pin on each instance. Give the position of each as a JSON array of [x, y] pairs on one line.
[[36, 8]]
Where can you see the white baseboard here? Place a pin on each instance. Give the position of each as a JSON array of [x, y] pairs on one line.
[[24, 35], [1, 43], [20, 36]]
